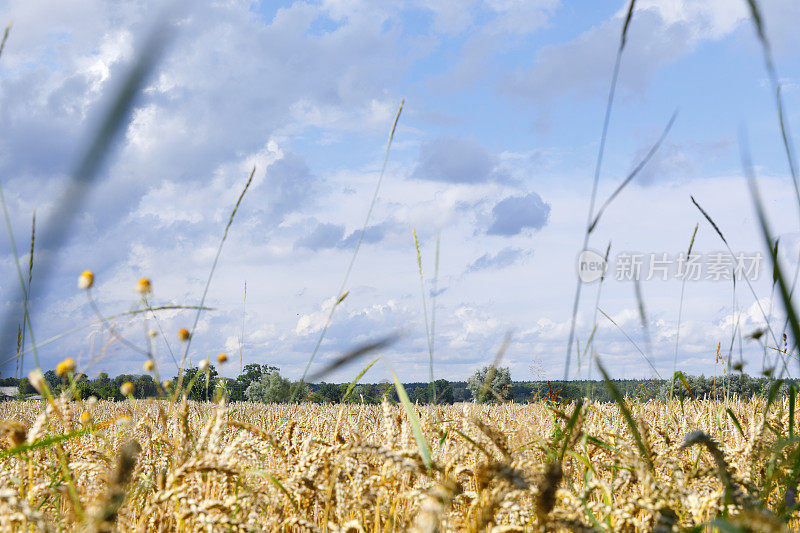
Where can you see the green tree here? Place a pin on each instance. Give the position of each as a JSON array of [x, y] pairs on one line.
[[25, 387], [444, 391], [204, 387], [461, 393], [385, 389], [490, 384], [330, 392], [315, 397], [361, 393], [53, 381], [440, 391], [103, 388], [421, 394], [145, 387], [251, 373], [271, 388]]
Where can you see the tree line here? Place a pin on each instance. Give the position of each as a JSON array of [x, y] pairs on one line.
[[264, 383]]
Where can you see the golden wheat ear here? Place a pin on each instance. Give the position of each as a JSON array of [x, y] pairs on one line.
[[732, 494], [116, 494]]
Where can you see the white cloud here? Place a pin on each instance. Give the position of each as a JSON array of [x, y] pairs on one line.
[[659, 33], [306, 95], [708, 19], [314, 322]]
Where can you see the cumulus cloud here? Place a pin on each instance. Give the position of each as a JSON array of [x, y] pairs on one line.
[[188, 120], [678, 160], [502, 259], [302, 90], [476, 327], [496, 26], [325, 236], [615, 340], [789, 248], [513, 214], [288, 184], [355, 323], [234, 89], [322, 237], [661, 32], [282, 184], [455, 161], [373, 234]]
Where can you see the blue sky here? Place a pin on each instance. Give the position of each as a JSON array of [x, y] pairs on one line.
[[494, 152]]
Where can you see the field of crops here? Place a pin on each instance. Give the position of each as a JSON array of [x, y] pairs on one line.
[[151, 465]]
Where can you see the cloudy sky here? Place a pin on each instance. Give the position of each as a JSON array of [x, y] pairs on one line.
[[494, 153]]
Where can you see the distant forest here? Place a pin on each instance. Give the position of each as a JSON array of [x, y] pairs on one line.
[[264, 383]]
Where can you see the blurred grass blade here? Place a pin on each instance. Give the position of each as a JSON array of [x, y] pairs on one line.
[[214, 266], [47, 442], [746, 278], [691, 241], [735, 421], [569, 428], [683, 381], [755, 13], [758, 23], [354, 355], [768, 240], [710, 220], [433, 313], [62, 218], [22, 333], [731, 495], [680, 305], [486, 387], [596, 179], [472, 441], [424, 305], [342, 297], [643, 315], [590, 340], [358, 378], [635, 171], [786, 138], [358, 243], [773, 394], [775, 254], [289, 496], [627, 23], [5, 38], [416, 427], [637, 436], [649, 362], [594, 320]]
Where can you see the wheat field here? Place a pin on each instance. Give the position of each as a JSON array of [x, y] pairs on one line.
[[151, 465]]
